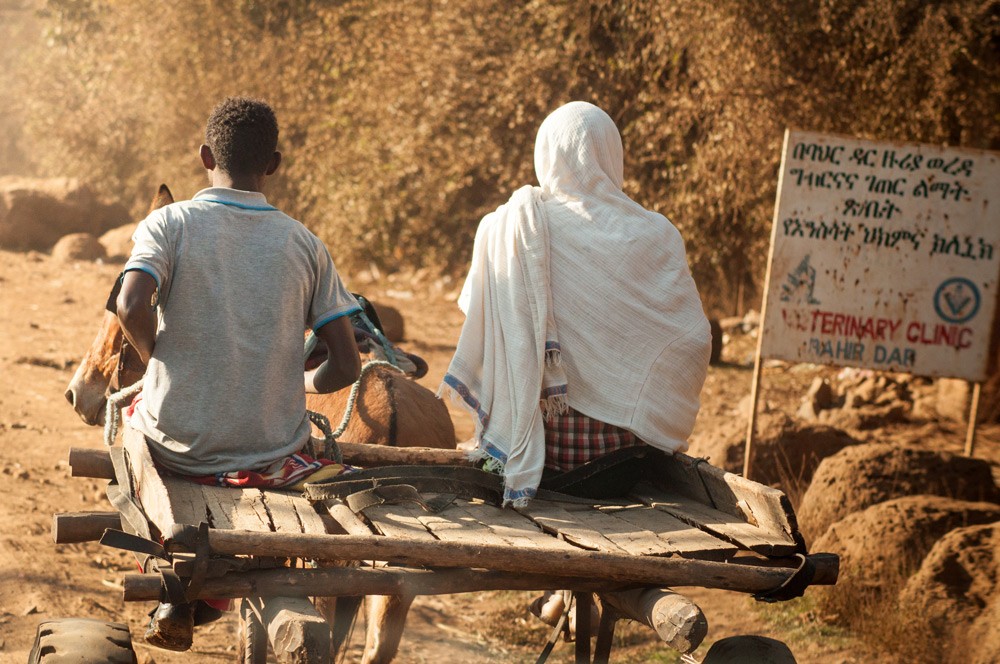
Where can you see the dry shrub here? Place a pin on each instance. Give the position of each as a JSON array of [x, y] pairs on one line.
[[874, 616], [403, 123]]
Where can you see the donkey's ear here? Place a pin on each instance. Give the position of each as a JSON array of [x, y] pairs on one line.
[[163, 198]]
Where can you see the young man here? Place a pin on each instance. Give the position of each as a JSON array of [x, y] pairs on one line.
[[215, 298]]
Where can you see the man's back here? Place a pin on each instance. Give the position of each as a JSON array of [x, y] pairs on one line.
[[238, 283]]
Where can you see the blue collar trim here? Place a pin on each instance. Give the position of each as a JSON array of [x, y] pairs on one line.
[[242, 206]]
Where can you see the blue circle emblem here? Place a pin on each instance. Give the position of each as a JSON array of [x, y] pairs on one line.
[[957, 300]]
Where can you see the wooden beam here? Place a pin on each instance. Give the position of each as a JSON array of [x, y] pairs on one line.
[[356, 581], [645, 570], [74, 527], [89, 462], [297, 632], [370, 456], [96, 463], [675, 618]]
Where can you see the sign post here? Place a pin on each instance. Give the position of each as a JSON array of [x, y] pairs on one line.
[[884, 256]]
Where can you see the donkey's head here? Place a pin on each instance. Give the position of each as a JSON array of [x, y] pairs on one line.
[[102, 368]]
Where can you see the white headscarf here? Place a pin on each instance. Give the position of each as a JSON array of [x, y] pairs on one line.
[[578, 295]]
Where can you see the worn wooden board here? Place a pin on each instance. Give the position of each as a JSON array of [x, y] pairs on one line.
[[171, 500], [507, 525], [291, 513], [750, 502], [400, 521], [721, 524], [555, 518], [676, 535]]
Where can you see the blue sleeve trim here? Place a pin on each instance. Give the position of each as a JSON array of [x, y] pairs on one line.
[[142, 268], [333, 317]]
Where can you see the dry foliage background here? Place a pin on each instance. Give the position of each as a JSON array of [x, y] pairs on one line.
[[404, 121]]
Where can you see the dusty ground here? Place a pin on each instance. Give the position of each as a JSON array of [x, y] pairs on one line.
[[49, 313]]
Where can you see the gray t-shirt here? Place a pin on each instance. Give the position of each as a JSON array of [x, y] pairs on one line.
[[239, 282]]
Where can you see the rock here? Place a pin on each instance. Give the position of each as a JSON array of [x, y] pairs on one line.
[[953, 399], [748, 650], [78, 247], [889, 540], [118, 242], [957, 591], [35, 213], [819, 397], [392, 321], [785, 450], [862, 475]]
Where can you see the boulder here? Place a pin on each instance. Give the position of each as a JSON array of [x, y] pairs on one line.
[[785, 450], [35, 213], [888, 540], [863, 475], [957, 591], [953, 397], [118, 242], [78, 247], [818, 398]]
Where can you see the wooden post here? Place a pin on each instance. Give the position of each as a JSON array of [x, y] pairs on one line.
[[675, 618], [89, 462], [646, 570], [584, 601], [970, 434], [297, 632], [755, 384], [73, 527], [605, 633], [357, 581]]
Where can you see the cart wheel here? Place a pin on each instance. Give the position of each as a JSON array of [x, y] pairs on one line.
[[253, 636], [82, 641], [748, 650]]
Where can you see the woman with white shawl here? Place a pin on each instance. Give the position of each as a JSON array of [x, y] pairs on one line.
[[581, 316]]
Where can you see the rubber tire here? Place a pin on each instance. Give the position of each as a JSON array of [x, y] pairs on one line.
[[748, 650], [82, 641]]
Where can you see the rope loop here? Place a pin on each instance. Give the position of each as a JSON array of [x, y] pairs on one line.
[[112, 412]]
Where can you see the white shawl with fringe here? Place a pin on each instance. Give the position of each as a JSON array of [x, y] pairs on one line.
[[577, 295]]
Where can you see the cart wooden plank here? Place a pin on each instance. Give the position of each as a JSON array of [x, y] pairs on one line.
[[726, 526], [556, 519], [400, 521], [756, 504], [509, 526], [677, 536], [187, 505], [291, 513], [456, 525]]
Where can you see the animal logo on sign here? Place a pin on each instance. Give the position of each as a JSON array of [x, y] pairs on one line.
[[799, 285], [957, 300]]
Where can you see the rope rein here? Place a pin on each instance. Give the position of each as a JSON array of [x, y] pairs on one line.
[[112, 412], [331, 449]]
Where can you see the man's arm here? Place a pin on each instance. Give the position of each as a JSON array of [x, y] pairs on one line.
[[136, 312], [343, 364]]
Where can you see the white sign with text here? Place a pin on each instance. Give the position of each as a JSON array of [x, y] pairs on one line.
[[884, 256]]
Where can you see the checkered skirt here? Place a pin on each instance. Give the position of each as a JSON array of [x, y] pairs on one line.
[[572, 439]]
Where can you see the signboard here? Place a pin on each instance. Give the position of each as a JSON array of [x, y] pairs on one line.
[[884, 256]]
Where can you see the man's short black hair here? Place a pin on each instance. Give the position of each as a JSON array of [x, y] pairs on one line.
[[243, 135]]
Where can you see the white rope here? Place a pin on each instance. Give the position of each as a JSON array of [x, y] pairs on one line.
[[332, 450], [112, 413]]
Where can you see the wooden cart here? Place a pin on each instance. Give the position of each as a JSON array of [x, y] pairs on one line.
[[695, 526]]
